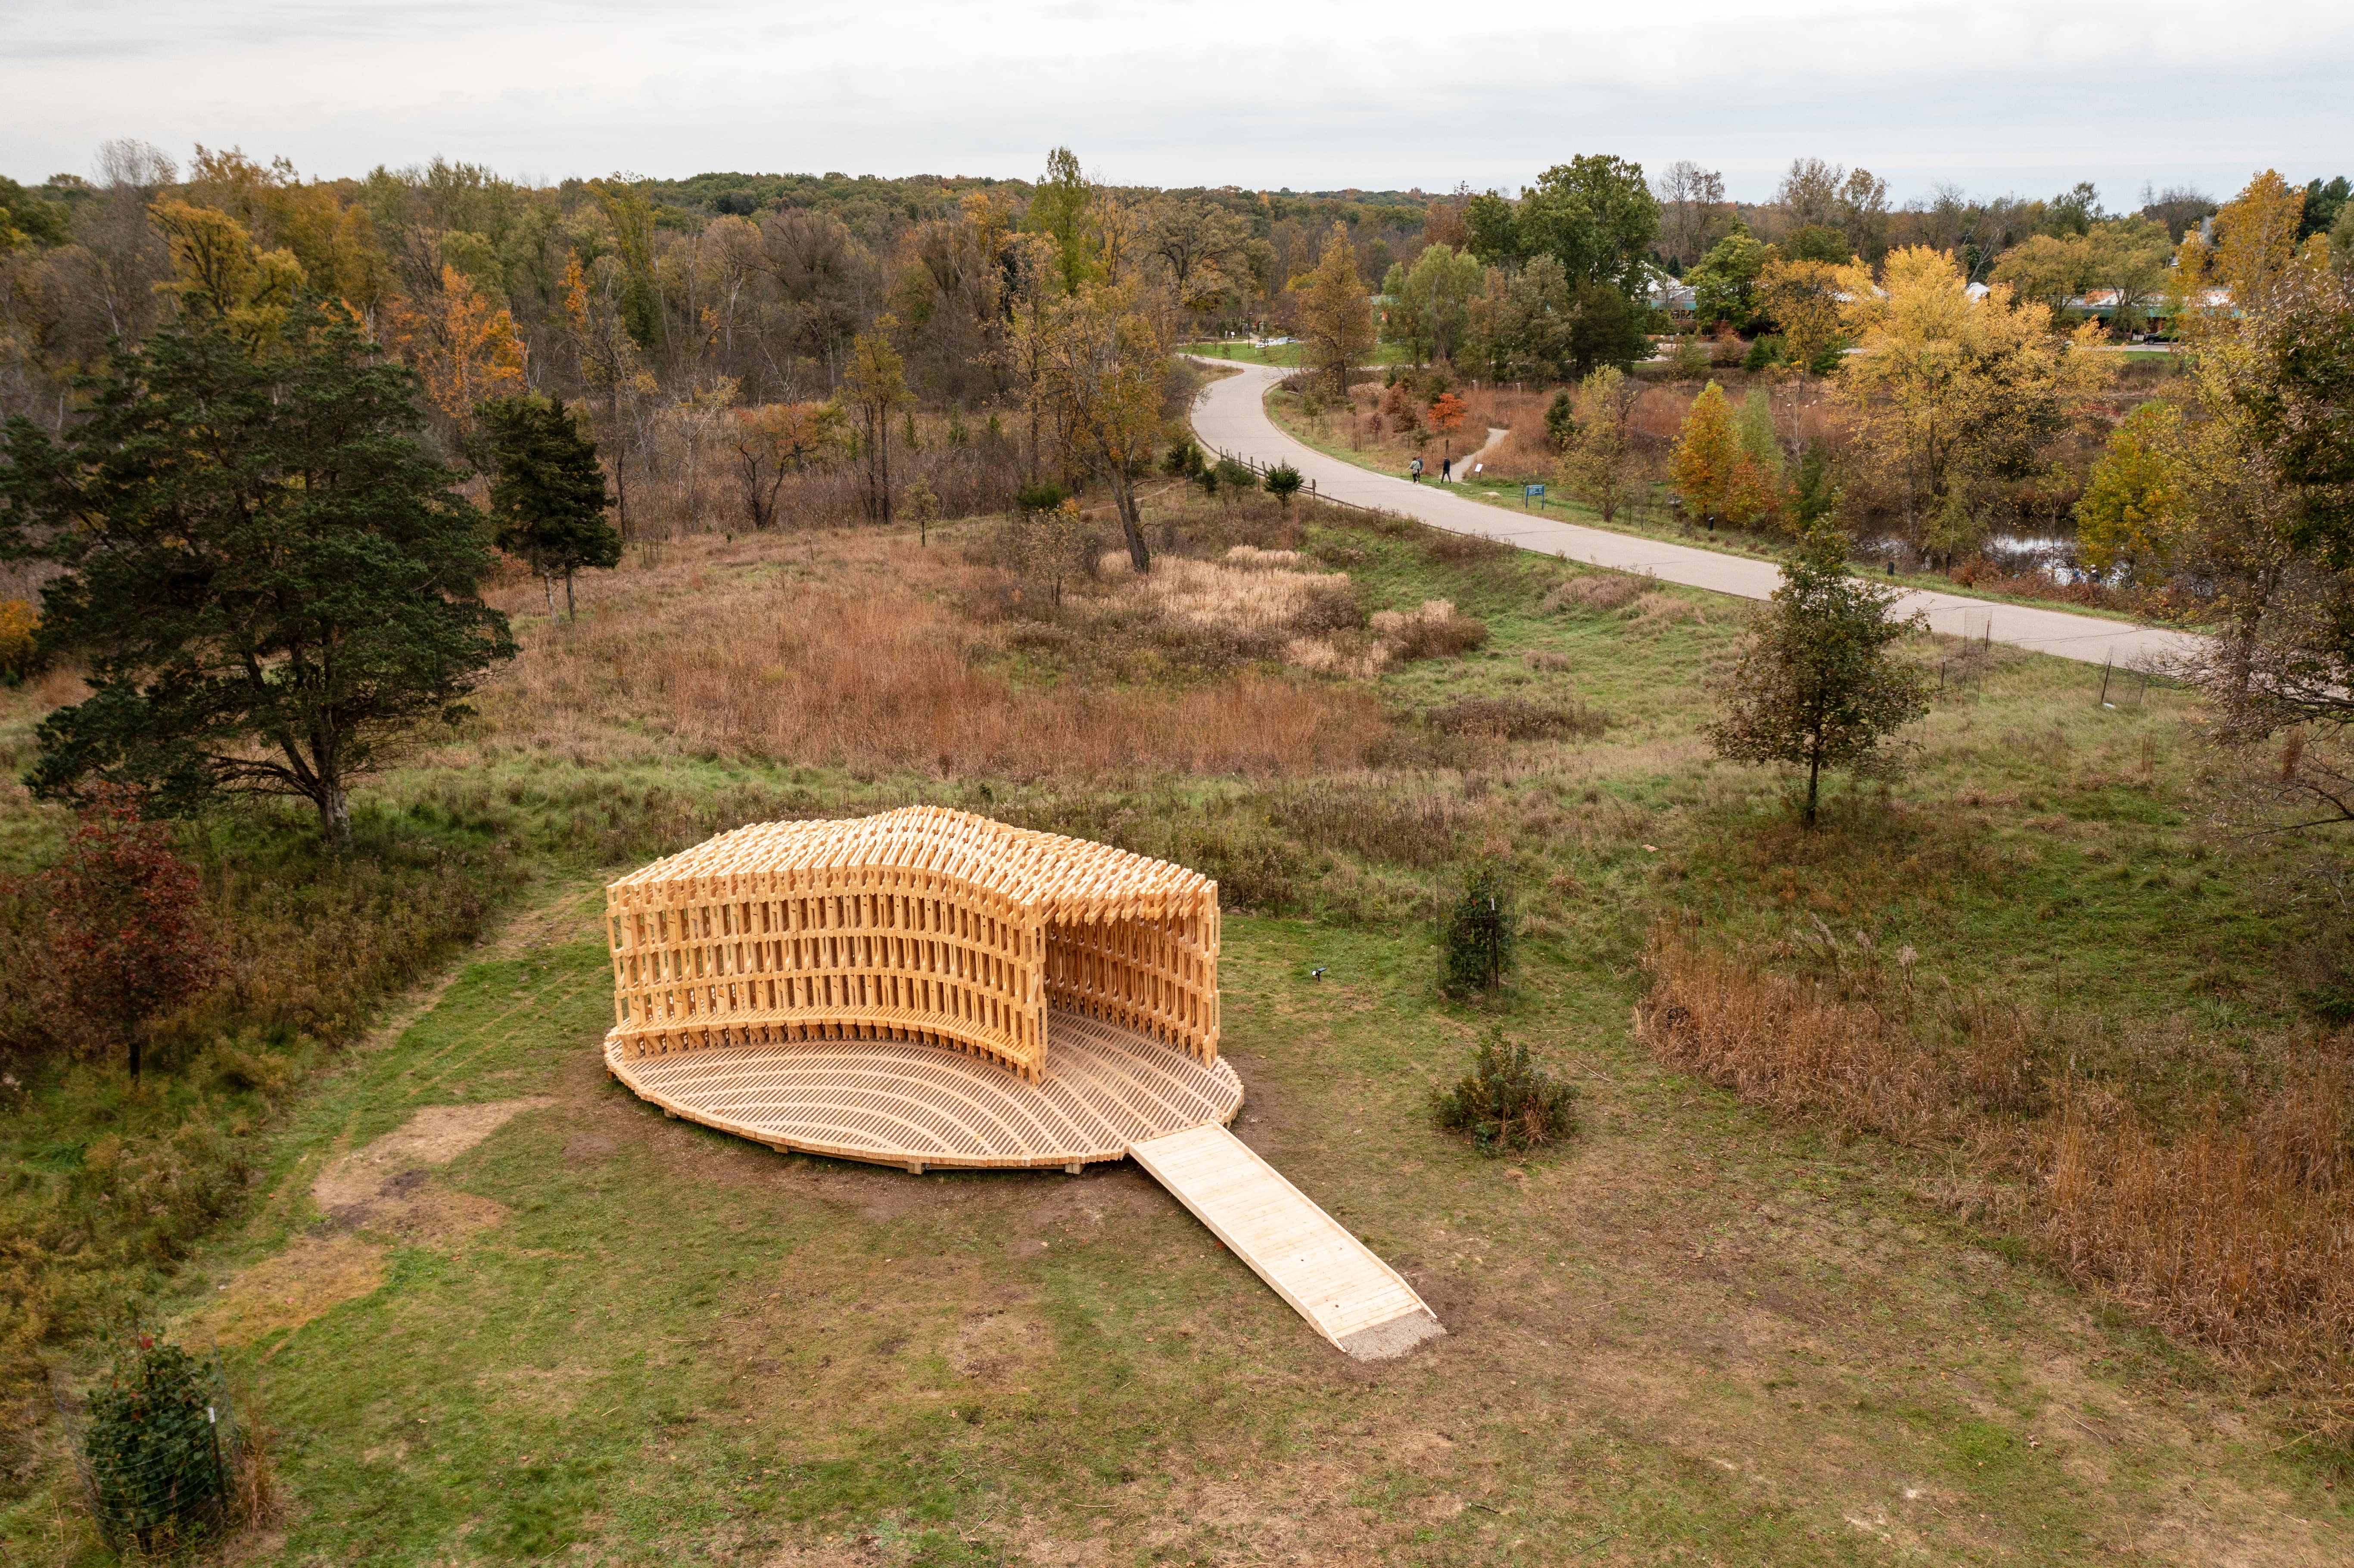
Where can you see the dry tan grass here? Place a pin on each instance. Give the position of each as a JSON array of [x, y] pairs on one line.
[[2237, 1231], [851, 649], [1655, 610], [2239, 1235], [1251, 591], [1436, 629], [1599, 592]]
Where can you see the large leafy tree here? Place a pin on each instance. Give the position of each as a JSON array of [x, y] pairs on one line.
[[548, 494], [1597, 215], [1106, 378], [1061, 209], [1814, 687], [2260, 472], [1951, 394], [1336, 315], [1725, 284], [1430, 304], [273, 581]]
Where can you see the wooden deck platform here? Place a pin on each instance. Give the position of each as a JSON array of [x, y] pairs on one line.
[[1108, 1093], [897, 1102], [1329, 1277]]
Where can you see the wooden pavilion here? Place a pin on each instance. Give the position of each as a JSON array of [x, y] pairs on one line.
[[926, 988], [923, 924]]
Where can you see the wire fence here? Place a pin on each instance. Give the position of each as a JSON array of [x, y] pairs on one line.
[[157, 1446]]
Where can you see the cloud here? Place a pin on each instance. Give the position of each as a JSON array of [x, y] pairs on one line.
[[1310, 95]]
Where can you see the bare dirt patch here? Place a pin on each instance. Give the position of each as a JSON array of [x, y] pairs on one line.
[[434, 1135], [994, 1342], [298, 1285], [382, 1190]]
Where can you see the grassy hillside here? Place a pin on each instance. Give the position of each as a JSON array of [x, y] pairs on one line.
[[1742, 1315]]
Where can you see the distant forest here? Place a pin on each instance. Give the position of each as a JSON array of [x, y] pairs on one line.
[[691, 318]]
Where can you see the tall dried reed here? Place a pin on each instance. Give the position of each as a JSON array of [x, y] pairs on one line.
[[2236, 1230], [873, 667]]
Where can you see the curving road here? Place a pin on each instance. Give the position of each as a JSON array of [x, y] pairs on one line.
[[1230, 416]]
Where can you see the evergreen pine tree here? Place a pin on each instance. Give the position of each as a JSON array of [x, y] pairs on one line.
[[547, 496], [270, 578]]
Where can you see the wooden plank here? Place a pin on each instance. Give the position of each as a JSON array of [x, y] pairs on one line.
[[1305, 1256], [908, 1102]]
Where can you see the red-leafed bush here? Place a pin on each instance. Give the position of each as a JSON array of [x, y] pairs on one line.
[[126, 918]]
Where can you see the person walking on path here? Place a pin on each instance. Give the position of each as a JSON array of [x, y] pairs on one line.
[[1414, 469], [1447, 471]]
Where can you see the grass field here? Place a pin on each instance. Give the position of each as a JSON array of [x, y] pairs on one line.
[[1241, 351], [1699, 1333]]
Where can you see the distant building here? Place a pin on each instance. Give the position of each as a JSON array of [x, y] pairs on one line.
[[1679, 298]]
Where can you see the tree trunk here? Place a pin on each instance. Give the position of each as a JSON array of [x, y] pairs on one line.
[[334, 814], [1814, 779], [1131, 525], [135, 1053], [621, 478], [883, 456], [548, 581], [570, 612]]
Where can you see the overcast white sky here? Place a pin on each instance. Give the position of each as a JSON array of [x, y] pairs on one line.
[[1993, 96]]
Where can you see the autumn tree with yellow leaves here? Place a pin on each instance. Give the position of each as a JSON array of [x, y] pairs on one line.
[[463, 346], [776, 441], [1715, 473], [1105, 375], [1336, 314], [2243, 492], [219, 275], [605, 356], [1599, 469], [1803, 298], [1951, 396], [874, 386]]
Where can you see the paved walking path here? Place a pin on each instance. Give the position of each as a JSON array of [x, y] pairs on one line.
[[1230, 416]]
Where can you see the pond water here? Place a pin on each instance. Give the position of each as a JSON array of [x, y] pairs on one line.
[[2053, 556]]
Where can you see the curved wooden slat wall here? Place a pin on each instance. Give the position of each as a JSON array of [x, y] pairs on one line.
[[921, 924]]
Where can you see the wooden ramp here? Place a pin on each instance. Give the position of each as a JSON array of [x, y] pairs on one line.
[[1352, 1297]]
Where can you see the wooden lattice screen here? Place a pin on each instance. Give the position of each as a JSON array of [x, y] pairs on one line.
[[921, 924]]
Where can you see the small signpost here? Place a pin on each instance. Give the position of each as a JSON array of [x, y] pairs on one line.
[[1531, 493]]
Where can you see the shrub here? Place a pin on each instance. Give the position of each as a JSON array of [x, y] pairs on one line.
[[18, 625], [1235, 477], [1598, 593], [157, 1473], [1516, 718], [1442, 545], [1477, 940], [126, 913], [1561, 420], [1767, 351], [1283, 483], [1506, 1102], [1044, 496], [1437, 630]]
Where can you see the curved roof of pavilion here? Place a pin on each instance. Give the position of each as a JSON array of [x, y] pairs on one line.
[[1063, 879]]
